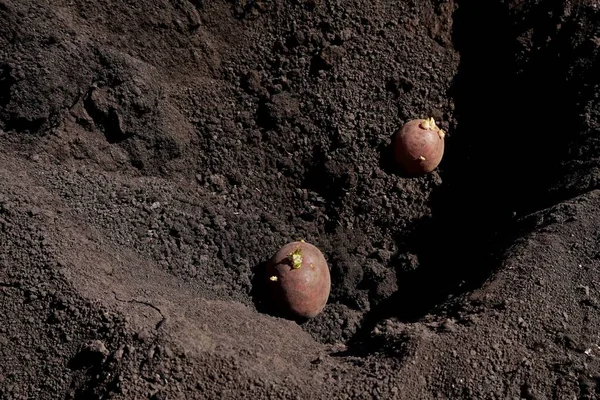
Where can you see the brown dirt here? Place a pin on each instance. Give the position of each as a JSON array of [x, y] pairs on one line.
[[153, 158]]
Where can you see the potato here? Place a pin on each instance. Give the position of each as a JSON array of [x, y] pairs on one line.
[[419, 146], [299, 280]]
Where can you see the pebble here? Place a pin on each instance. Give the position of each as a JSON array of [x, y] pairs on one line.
[[97, 347]]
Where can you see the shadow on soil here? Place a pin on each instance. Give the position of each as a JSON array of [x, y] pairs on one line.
[[515, 124]]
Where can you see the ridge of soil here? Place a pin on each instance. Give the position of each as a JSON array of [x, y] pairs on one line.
[[153, 158]]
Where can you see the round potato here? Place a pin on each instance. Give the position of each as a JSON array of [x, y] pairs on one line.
[[419, 146], [299, 280]]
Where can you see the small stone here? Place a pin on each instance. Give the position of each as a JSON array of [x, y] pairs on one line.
[[296, 39], [96, 347], [449, 326], [93, 353], [142, 335], [332, 55], [252, 83], [119, 354], [318, 360]]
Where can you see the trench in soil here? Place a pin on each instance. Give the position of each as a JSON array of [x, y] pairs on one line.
[[514, 128]]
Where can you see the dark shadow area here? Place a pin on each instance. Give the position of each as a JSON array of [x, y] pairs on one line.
[[90, 361], [317, 64], [108, 121], [92, 355], [86, 359], [517, 112], [94, 385], [259, 289], [14, 123], [199, 4], [264, 117], [19, 124], [6, 82]]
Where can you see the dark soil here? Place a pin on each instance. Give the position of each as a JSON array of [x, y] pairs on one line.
[[154, 155]]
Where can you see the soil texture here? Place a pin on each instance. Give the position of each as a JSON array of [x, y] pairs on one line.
[[155, 155]]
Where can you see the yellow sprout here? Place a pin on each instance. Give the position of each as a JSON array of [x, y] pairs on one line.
[[429, 123], [273, 278], [296, 258]]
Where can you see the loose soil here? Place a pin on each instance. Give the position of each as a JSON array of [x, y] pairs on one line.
[[154, 155]]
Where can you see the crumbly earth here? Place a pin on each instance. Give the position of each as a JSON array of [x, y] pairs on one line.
[[154, 155]]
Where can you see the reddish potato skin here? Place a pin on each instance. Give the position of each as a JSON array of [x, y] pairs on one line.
[[301, 292], [419, 148]]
